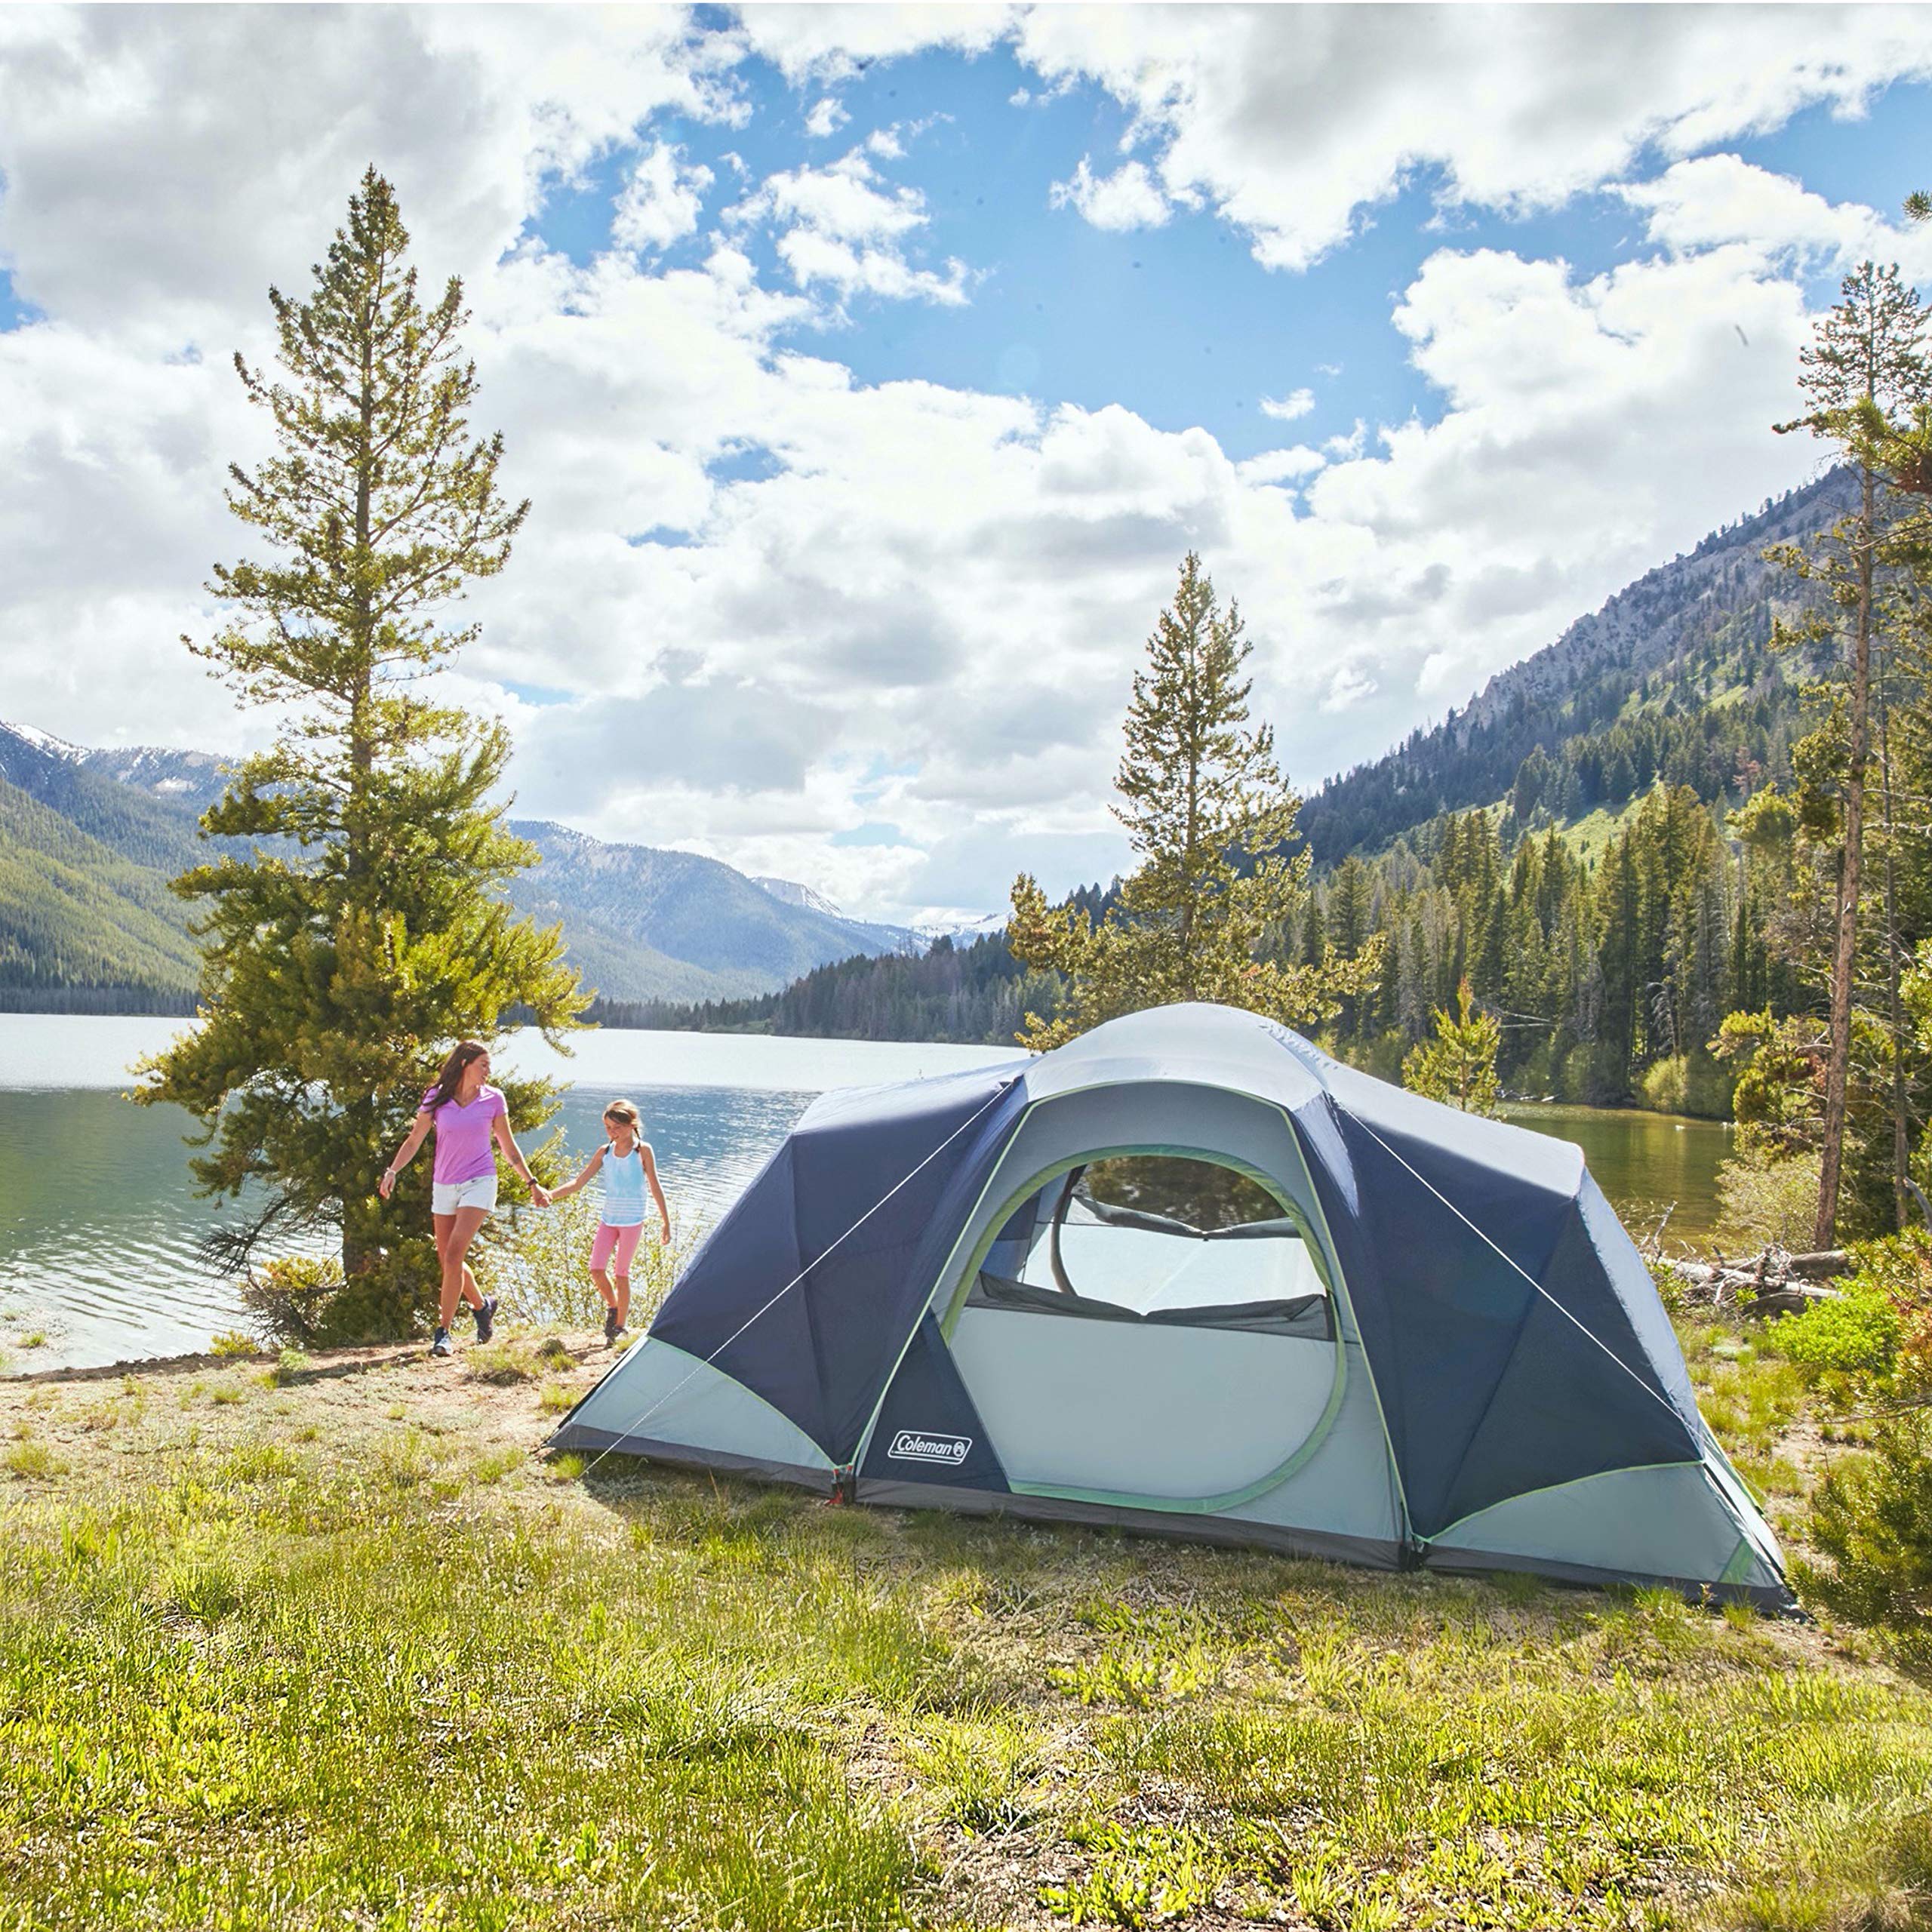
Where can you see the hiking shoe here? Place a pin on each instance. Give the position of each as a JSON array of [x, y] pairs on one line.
[[486, 1318], [610, 1330], [441, 1345]]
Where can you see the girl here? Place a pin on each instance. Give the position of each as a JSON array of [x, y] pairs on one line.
[[627, 1165], [466, 1115]]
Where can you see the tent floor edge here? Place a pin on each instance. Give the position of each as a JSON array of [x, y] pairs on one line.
[[1235, 1533], [603, 1441], [1774, 1599]]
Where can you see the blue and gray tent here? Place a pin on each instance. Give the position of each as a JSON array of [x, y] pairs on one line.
[[1189, 1275]]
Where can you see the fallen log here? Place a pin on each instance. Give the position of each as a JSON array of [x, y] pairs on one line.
[[1820, 1265], [1769, 1284]]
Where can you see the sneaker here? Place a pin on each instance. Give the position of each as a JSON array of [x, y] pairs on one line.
[[441, 1345], [486, 1318], [610, 1329]]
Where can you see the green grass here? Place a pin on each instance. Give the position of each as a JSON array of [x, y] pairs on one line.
[[378, 1663]]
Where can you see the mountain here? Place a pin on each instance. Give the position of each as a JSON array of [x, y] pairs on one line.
[[793, 894], [880, 938], [1674, 676], [92, 836], [657, 922]]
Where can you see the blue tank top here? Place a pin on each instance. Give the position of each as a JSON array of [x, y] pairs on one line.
[[623, 1188]]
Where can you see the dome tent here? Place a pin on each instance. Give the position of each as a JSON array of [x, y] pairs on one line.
[[1420, 1339]]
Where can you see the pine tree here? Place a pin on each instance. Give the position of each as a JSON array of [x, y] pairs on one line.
[[354, 928], [1861, 371], [1207, 912], [1458, 1066]]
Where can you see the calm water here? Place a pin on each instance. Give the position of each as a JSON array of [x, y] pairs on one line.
[[99, 1222], [1645, 1162]]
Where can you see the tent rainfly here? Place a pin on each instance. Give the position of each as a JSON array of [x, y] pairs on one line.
[[1189, 1275]]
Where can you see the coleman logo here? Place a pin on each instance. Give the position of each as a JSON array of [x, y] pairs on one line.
[[913, 1445]]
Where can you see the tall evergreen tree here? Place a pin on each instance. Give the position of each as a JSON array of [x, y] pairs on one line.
[[1864, 362], [354, 927], [1207, 912]]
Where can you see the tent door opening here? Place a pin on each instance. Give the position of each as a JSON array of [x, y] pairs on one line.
[[1149, 1328]]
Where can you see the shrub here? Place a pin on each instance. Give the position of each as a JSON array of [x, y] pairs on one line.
[[1898, 1265], [1688, 1084], [1765, 1197], [1872, 1518], [290, 1297], [1674, 1290], [1666, 1084], [1856, 1335], [302, 1301], [231, 1342]]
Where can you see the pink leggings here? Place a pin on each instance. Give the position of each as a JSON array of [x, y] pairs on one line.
[[620, 1241]]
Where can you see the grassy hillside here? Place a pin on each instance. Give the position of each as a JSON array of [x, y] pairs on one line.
[[329, 1642], [82, 922]]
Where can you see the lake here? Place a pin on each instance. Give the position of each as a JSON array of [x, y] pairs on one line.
[[99, 1224]]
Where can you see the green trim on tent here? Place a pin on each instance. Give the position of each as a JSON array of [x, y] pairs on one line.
[[1321, 1244], [1209, 1506], [1743, 1561], [1550, 1489], [1318, 1255]]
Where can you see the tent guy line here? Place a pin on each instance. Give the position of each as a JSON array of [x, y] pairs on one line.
[[670, 1394], [1357, 1383], [1581, 1328]]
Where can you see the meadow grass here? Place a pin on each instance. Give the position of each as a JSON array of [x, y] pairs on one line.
[[374, 1660]]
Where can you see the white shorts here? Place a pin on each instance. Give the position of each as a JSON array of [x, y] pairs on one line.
[[447, 1196]]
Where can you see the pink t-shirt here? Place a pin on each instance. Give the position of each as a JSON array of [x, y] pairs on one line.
[[463, 1136]]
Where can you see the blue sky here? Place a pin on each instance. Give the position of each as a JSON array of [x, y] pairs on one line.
[[1179, 323], [871, 369]]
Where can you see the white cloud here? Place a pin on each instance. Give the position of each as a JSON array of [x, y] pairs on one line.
[[1721, 199], [846, 202], [1290, 121], [662, 201], [1349, 445], [1128, 198], [830, 43], [1283, 465], [1287, 408], [126, 212], [844, 227], [916, 605], [825, 119]]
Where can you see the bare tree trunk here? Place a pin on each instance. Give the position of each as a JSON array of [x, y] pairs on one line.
[[1845, 950], [1894, 1003]]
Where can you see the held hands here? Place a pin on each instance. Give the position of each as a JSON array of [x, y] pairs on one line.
[[539, 1197]]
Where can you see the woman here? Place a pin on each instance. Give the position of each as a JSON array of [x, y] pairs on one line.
[[466, 1113]]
